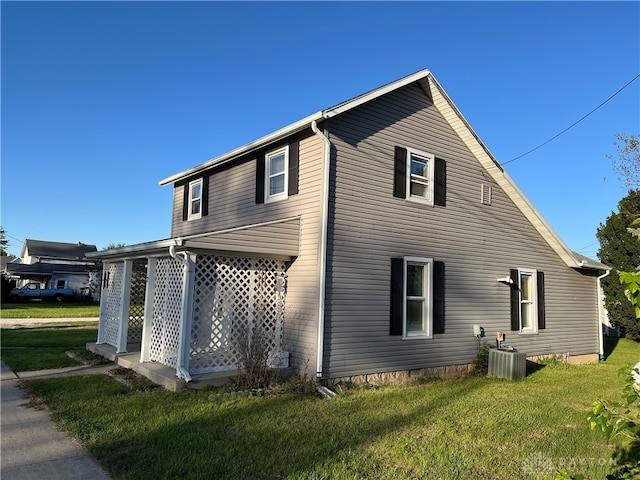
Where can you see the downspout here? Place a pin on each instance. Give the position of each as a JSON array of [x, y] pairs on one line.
[[600, 308], [322, 250], [181, 371]]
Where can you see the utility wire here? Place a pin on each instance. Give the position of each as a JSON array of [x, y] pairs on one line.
[[575, 123]]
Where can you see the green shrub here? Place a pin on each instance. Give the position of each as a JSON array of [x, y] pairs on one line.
[[481, 362], [621, 421]]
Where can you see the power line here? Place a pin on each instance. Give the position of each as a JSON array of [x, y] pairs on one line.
[[575, 123], [588, 246]]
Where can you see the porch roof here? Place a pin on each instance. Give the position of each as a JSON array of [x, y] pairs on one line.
[[45, 269], [275, 239]]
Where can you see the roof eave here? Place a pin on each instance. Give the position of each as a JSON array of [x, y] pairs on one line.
[[297, 126], [135, 250], [284, 132]]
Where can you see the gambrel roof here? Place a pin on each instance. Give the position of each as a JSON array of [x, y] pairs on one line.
[[463, 129]]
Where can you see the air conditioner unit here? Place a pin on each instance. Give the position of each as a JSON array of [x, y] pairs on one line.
[[507, 364]]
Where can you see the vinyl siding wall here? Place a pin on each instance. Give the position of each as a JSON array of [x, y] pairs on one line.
[[478, 244], [232, 204]]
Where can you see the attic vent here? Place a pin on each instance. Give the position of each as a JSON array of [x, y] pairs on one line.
[[485, 194]]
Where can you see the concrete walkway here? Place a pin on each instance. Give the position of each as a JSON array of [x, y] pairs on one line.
[[42, 322], [31, 448]]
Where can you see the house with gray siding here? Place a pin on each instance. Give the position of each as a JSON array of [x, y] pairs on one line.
[[368, 238], [54, 265]]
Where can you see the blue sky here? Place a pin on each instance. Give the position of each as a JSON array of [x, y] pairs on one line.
[[101, 100]]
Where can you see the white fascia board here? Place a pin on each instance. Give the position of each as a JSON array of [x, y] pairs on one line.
[[256, 144], [448, 109], [373, 94], [137, 250]]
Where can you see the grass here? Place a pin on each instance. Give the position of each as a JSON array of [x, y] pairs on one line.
[[37, 309], [25, 349], [475, 428]]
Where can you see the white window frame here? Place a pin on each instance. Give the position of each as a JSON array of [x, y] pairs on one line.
[[192, 185], [428, 179], [268, 197], [426, 297], [533, 301]]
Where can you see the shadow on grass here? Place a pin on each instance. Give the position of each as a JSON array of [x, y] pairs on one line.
[[278, 437], [610, 344], [533, 367]]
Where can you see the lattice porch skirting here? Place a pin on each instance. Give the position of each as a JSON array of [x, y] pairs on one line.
[[234, 297]]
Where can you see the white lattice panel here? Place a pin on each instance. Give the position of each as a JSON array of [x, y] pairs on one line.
[[167, 310], [112, 295], [136, 301], [232, 296]]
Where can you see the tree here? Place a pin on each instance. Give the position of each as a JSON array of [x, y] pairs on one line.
[[620, 249], [114, 245], [631, 280], [627, 163], [4, 243]]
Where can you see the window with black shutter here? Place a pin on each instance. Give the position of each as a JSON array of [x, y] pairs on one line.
[[527, 300], [277, 173], [195, 203], [419, 176], [417, 308]]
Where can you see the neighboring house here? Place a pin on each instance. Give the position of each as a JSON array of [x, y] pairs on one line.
[[5, 260], [54, 265], [367, 238]]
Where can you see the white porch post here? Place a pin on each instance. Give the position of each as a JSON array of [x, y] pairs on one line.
[[147, 323], [125, 295], [104, 292]]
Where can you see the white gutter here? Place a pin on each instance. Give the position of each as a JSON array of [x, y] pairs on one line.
[[600, 308], [322, 253], [183, 343]]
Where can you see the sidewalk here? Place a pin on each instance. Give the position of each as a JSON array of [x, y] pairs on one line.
[[31, 447], [41, 322]]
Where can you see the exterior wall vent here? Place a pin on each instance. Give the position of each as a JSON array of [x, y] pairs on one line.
[[507, 364], [485, 194]]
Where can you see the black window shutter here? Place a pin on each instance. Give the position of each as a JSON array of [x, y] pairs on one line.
[[397, 296], [438, 297], [400, 173], [440, 194], [542, 321], [515, 300], [260, 178], [185, 202], [294, 165], [205, 195]]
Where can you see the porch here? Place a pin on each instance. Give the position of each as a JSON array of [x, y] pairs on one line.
[[179, 312]]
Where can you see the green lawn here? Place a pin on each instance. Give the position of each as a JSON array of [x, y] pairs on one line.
[[25, 349], [36, 309], [475, 428]]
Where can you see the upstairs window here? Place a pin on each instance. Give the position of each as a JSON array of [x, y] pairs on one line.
[[277, 173], [420, 176], [195, 200], [276, 178]]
